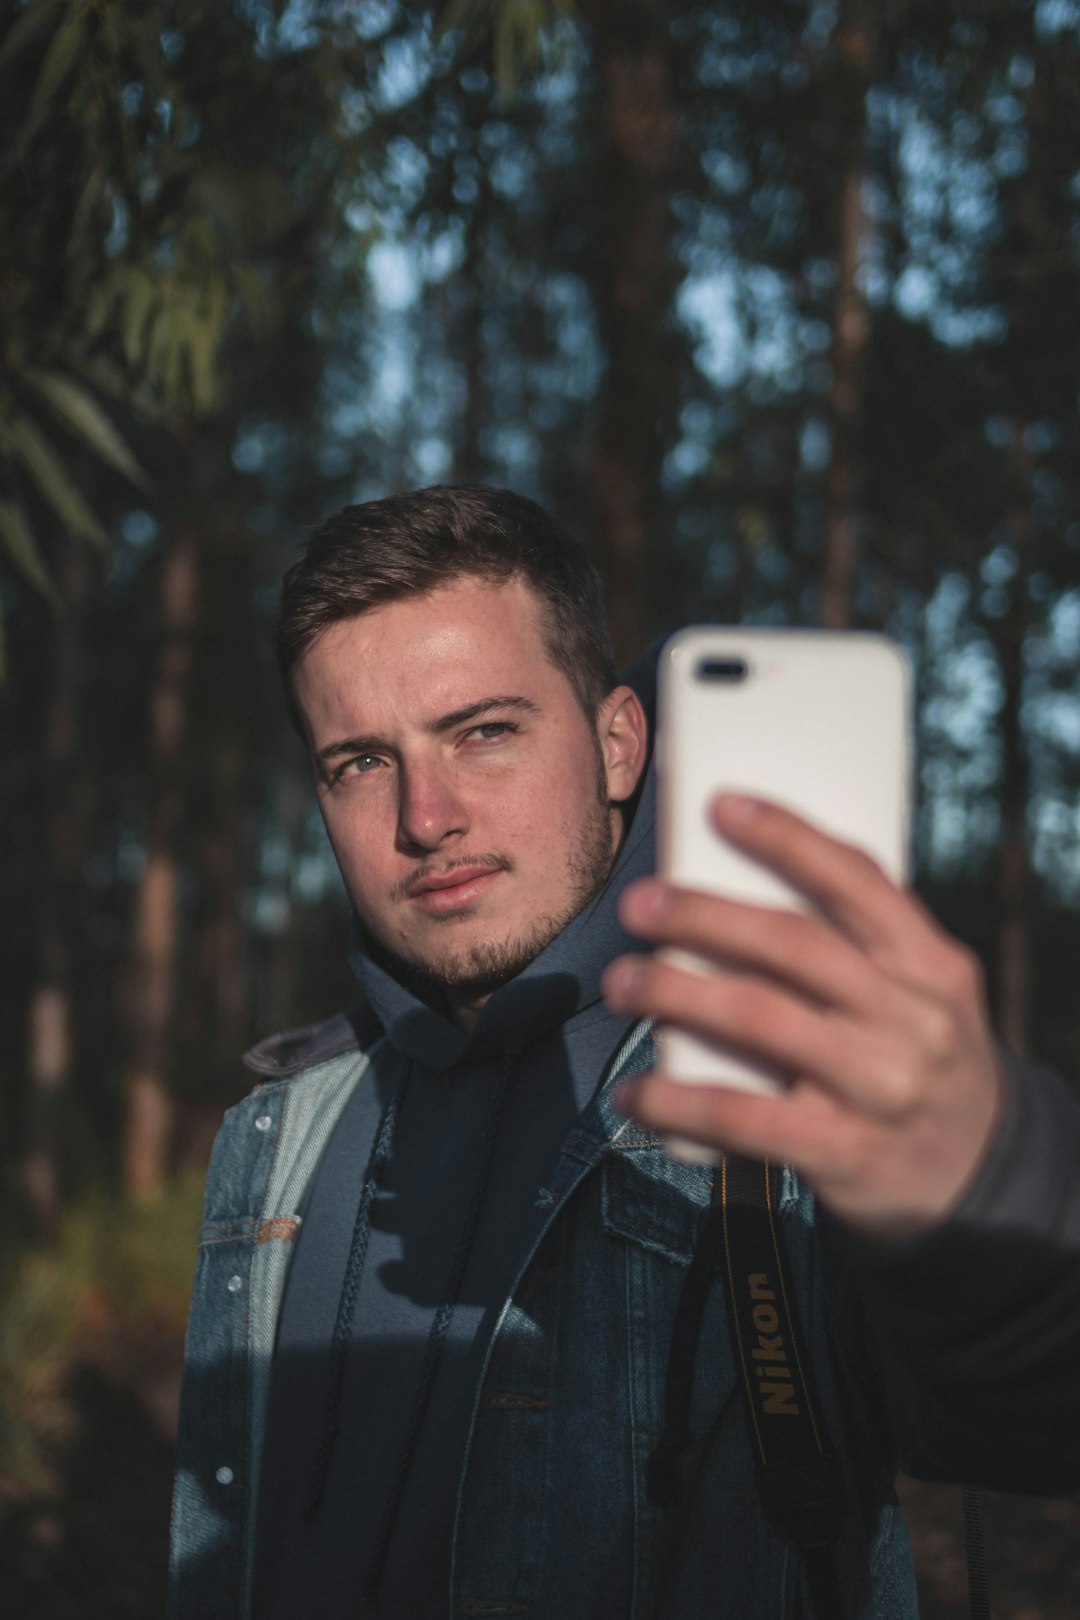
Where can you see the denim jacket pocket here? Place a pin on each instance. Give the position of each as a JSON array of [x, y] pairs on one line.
[[653, 1199]]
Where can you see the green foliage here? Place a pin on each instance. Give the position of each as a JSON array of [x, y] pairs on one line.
[[134, 232], [57, 66], [519, 31], [19, 544], [55, 209], [117, 1267], [24, 443], [78, 409], [146, 1253]]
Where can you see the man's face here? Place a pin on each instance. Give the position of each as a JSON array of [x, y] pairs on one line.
[[466, 795]]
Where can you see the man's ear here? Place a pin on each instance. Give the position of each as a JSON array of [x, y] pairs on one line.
[[623, 734]]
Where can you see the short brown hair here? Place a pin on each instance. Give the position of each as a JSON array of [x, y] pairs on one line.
[[407, 545]]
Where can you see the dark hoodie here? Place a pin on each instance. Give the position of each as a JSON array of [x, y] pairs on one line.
[[367, 1496]]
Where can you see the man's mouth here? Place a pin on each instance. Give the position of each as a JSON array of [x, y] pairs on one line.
[[460, 886]]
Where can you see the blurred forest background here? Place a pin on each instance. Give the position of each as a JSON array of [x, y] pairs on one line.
[[777, 304]]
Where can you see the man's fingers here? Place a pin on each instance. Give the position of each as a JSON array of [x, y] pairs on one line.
[[849, 1159], [873, 1010], [844, 881], [801, 951], [801, 1127], [760, 1020]]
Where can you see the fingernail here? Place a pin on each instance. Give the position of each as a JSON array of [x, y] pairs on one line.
[[646, 900], [736, 809], [623, 1096], [622, 978]]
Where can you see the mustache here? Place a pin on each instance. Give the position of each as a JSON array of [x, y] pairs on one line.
[[488, 863]]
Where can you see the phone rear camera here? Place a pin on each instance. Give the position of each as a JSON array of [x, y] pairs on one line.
[[723, 669]]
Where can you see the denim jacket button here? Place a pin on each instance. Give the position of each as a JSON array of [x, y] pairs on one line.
[[264, 1122], [224, 1476], [235, 1284]]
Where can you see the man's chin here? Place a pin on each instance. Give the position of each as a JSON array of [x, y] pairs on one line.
[[473, 970]]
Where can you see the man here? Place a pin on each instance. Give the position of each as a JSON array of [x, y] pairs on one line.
[[434, 1323]]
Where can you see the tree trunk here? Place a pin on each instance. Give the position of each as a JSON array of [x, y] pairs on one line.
[[1014, 877], [150, 1107], [277, 992], [50, 1044], [470, 334], [851, 327], [1014, 933], [222, 947], [1014, 870], [634, 280]]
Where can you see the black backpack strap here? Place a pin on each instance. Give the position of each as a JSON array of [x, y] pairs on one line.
[[798, 1478]]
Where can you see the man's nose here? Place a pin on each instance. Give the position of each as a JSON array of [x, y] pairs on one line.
[[430, 810]]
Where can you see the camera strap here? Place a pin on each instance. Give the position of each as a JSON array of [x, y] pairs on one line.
[[798, 1478]]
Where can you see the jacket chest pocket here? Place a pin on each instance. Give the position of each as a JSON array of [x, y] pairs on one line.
[[654, 1207], [655, 1201]]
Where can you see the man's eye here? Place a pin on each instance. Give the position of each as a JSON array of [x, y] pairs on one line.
[[359, 765], [492, 729]]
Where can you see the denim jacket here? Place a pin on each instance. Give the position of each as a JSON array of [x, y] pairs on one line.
[[554, 1520]]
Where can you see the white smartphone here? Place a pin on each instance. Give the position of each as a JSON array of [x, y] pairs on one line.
[[818, 721]]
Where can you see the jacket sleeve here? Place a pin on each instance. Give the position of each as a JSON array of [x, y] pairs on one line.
[[974, 1328]]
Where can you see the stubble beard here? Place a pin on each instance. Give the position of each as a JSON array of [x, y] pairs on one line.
[[477, 970]]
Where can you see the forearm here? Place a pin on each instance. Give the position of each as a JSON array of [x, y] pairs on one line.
[[976, 1325]]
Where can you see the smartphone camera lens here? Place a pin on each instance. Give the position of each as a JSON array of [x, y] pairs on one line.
[[723, 669]]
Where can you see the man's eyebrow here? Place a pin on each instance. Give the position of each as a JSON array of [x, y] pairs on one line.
[[444, 722], [348, 745], [473, 711]]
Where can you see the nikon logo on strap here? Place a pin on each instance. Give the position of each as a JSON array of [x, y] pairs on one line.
[[773, 1381], [799, 1481]]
